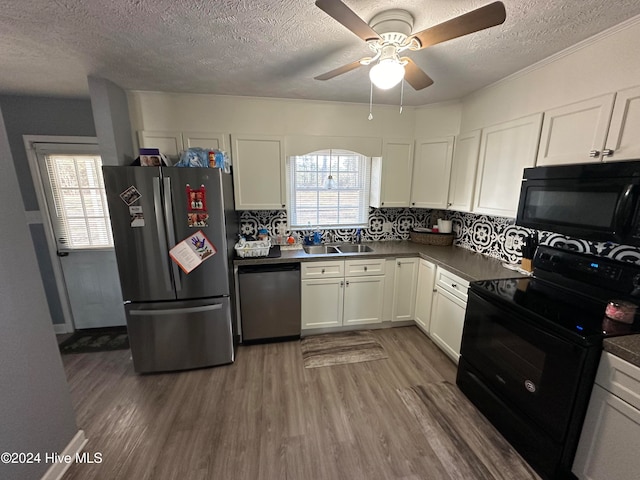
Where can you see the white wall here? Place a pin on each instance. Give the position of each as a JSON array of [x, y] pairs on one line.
[[602, 64], [188, 112], [36, 414]]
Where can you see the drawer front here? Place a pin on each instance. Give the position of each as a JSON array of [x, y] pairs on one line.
[[322, 270], [358, 268], [452, 283], [619, 377]]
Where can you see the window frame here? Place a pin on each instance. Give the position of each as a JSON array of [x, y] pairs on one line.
[[363, 174]]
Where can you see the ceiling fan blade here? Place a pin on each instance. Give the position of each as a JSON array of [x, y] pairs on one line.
[[474, 21], [347, 17], [339, 71], [415, 76]]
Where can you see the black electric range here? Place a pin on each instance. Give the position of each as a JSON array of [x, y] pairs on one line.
[[531, 347]]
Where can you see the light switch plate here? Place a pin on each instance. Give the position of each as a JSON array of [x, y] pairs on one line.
[[386, 227]]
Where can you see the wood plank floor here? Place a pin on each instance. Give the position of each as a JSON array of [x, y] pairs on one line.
[[264, 417]]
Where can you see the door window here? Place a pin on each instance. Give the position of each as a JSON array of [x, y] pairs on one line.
[[76, 199]]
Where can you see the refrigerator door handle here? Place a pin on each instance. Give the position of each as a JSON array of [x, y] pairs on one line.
[[168, 211], [161, 233], [174, 311]]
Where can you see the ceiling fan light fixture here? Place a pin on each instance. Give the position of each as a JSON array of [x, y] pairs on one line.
[[387, 73]]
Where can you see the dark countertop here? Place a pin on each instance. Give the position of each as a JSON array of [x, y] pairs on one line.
[[460, 261], [626, 347]]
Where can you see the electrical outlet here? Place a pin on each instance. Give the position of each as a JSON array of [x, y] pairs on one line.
[[508, 243], [386, 227]]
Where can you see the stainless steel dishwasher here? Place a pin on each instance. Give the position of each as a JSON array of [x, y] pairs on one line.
[[269, 301]]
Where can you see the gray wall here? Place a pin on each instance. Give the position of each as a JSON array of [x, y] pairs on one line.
[[41, 116], [36, 414]]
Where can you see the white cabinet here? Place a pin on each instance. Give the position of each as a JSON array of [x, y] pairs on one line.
[[342, 293], [610, 439], [259, 172], [171, 143], [623, 141], [463, 171], [424, 294], [391, 174], [575, 133], [505, 150], [448, 311], [431, 173], [404, 289]]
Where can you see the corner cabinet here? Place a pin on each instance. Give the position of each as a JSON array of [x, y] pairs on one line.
[[610, 438], [391, 174], [623, 141], [404, 289], [505, 151], [431, 173], [259, 172], [463, 171], [424, 294]]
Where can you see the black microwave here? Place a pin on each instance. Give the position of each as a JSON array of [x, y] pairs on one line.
[[595, 201]]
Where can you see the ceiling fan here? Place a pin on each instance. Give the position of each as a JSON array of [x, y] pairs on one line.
[[389, 33]]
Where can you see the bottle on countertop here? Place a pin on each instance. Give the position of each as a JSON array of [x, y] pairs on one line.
[[359, 235]]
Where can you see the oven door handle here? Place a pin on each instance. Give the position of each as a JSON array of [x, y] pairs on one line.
[[622, 215]]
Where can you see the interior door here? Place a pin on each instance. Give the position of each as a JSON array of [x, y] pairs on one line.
[[75, 201]]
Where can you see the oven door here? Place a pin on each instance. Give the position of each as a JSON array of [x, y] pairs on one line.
[[532, 371]]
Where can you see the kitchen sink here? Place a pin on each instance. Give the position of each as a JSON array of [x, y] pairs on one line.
[[320, 249], [354, 248]]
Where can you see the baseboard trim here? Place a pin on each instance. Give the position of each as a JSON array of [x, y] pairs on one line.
[[57, 470]]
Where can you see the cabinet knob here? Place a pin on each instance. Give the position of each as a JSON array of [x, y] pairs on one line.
[[365, 268], [594, 153], [413, 203], [449, 204], [342, 284], [398, 263], [454, 285], [382, 203], [607, 152], [322, 271], [347, 283], [283, 205]]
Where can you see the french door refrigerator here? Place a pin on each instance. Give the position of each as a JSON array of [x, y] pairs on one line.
[[175, 320]]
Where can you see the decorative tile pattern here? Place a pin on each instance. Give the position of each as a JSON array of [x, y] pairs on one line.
[[496, 237]]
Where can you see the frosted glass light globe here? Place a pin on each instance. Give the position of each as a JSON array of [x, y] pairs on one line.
[[386, 74]]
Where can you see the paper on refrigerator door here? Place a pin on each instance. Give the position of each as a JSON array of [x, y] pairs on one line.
[[192, 251]]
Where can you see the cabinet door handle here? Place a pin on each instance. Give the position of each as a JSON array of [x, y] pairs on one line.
[[365, 268], [594, 153], [322, 271], [607, 152], [454, 285]]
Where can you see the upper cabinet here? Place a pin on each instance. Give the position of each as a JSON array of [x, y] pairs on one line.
[[259, 172], [506, 150], [463, 171], [623, 141], [575, 133], [172, 143], [431, 172], [599, 129], [391, 174]]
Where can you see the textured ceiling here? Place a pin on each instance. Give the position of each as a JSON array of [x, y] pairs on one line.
[[270, 48]]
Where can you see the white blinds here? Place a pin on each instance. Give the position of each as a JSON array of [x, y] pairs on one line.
[[79, 213], [312, 204]]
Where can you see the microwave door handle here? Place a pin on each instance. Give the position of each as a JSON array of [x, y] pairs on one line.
[[621, 222]]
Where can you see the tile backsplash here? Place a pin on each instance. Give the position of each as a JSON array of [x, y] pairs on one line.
[[496, 237]]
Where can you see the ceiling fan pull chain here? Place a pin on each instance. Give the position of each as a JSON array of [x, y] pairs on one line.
[[401, 94], [370, 102]]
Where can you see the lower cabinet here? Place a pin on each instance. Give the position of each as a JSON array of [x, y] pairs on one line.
[[610, 439], [404, 289], [342, 293], [448, 311], [424, 294]]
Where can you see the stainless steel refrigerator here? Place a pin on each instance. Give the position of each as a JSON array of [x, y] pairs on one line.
[[175, 320]]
